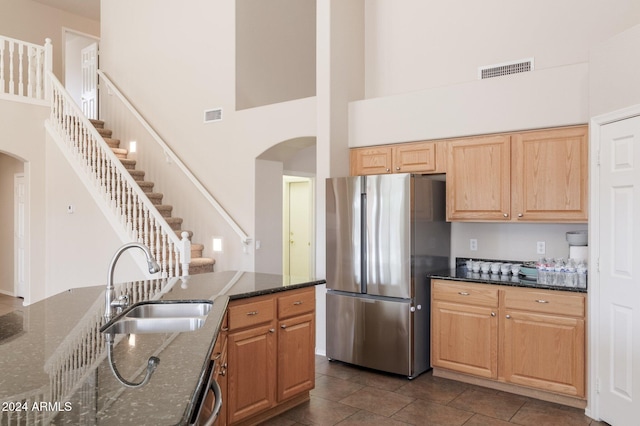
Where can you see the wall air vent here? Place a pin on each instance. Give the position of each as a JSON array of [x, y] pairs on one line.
[[212, 115], [505, 68]]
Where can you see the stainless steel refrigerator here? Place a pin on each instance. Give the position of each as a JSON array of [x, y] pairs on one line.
[[384, 234]]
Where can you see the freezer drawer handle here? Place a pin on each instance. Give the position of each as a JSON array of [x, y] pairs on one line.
[[463, 293], [298, 302], [252, 313]]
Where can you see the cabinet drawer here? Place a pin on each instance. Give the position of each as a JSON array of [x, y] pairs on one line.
[[550, 302], [472, 294], [248, 314], [299, 302]]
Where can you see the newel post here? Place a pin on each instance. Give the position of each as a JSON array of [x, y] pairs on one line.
[[48, 67], [185, 253]]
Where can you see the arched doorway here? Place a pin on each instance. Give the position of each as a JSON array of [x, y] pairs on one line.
[[285, 203]]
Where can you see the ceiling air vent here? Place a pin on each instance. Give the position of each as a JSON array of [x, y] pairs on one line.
[[505, 68], [212, 115]]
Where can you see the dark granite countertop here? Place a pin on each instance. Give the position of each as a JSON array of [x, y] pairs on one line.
[[461, 273], [53, 360]]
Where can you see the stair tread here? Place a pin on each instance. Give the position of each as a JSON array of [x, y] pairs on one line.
[[119, 150], [96, 123], [202, 261]]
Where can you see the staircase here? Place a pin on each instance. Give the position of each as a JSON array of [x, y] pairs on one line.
[[198, 264]]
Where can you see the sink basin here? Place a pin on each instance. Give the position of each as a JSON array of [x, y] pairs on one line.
[[167, 317], [170, 310]]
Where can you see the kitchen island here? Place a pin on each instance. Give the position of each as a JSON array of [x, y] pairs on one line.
[[54, 367]]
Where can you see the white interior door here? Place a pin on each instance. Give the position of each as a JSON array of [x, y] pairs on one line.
[[20, 198], [90, 80], [618, 197]]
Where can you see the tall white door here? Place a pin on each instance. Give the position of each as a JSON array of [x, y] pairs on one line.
[[19, 222], [618, 354], [90, 80], [298, 239]]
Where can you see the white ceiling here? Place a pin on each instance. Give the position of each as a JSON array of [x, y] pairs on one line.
[[87, 8]]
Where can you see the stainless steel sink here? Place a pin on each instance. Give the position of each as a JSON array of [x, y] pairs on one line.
[[163, 317], [170, 310]]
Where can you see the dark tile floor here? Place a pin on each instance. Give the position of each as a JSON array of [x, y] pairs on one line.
[[346, 395]]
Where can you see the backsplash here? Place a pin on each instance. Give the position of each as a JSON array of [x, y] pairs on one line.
[[510, 240]]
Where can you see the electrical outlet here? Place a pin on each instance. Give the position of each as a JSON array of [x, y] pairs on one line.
[[541, 247], [473, 244]]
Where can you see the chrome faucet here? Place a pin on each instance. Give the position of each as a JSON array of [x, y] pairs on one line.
[[111, 305]]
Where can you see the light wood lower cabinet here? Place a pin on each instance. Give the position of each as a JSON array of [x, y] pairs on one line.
[[524, 337], [270, 355], [543, 338]]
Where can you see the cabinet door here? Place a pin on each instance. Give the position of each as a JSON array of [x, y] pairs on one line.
[[251, 373], [464, 338], [296, 356], [544, 351], [414, 158], [370, 161], [479, 179], [550, 173]]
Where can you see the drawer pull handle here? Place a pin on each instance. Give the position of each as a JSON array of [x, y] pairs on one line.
[[216, 356], [541, 301], [463, 293], [252, 313], [298, 302], [224, 329]]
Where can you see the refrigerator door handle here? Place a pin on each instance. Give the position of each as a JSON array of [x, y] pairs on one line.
[[363, 245]]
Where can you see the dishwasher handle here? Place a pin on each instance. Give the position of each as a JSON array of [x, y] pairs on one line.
[[217, 393]]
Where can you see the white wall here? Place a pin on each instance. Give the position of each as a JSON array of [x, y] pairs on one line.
[[25, 140], [414, 45], [614, 66], [79, 245], [275, 51]]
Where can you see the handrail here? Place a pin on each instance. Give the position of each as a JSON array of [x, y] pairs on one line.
[[169, 153], [27, 65], [118, 186]]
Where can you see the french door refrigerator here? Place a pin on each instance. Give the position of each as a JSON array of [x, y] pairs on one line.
[[384, 233]]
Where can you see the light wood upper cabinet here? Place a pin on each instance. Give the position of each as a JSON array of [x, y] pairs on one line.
[[370, 161], [550, 175], [415, 157], [479, 179], [537, 176]]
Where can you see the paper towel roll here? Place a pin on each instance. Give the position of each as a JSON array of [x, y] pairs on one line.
[[579, 252]]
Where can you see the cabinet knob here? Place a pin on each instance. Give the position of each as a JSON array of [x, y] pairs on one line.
[[505, 214], [508, 316], [397, 168], [283, 326], [493, 314], [388, 170], [272, 330], [520, 215]]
